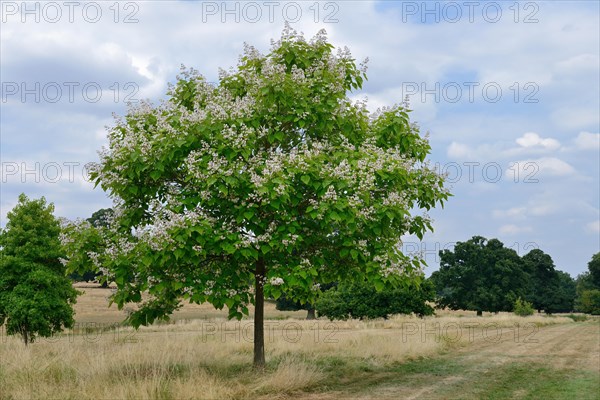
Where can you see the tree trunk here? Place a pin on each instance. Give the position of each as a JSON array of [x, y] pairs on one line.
[[479, 313], [25, 336], [311, 314], [259, 315]]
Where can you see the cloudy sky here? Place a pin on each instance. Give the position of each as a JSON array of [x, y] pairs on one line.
[[509, 92]]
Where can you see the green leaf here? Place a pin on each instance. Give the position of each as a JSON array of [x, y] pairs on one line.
[[155, 175], [228, 248], [265, 248], [305, 179]]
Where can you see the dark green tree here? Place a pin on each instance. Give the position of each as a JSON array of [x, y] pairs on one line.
[[101, 218], [589, 302], [283, 303], [588, 288], [480, 275], [563, 300], [36, 298], [87, 271], [594, 270], [362, 300], [544, 279]]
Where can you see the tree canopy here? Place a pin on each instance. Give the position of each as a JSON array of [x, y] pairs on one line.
[[594, 270], [544, 280], [483, 275], [264, 184], [36, 297], [89, 241], [480, 275], [361, 300], [588, 287]]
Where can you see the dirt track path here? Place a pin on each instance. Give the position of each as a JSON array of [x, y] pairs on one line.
[[566, 347]]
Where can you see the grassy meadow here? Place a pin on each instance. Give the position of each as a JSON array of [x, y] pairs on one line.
[[201, 355]]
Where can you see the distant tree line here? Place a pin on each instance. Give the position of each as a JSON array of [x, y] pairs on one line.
[[483, 275], [363, 300], [480, 275]]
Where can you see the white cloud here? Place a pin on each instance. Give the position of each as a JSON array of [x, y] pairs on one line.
[[458, 151], [576, 116], [593, 227], [528, 144], [580, 63], [543, 209], [554, 166], [534, 208], [511, 229], [514, 212], [530, 170], [532, 139], [588, 141]]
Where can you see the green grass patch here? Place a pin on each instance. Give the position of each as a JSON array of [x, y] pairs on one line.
[[525, 381], [458, 378], [578, 317]]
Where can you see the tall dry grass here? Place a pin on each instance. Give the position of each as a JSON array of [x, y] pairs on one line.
[[211, 359]]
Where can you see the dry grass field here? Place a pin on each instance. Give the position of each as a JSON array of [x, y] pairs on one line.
[[201, 355]]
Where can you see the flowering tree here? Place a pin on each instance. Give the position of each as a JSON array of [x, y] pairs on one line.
[[262, 185]]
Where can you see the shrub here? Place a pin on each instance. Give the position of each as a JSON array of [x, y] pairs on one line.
[[362, 300], [523, 308], [589, 302], [578, 318]]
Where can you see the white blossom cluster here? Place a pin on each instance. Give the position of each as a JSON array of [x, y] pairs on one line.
[[290, 241], [276, 281], [158, 234]]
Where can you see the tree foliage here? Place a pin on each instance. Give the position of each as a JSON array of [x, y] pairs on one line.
[[563, 300], [36, 297], [84, 270], [283, 303], [588, 288], [544, 280], [589, 302], [523, 308], [362, 300], [480, 275], [594, 270], [483, 275], [264, 184]]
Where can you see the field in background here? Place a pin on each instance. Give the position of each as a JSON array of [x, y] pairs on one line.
[[202, 355], [92, 306]]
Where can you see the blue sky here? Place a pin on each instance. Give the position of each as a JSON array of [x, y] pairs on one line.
[[509, 92]]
